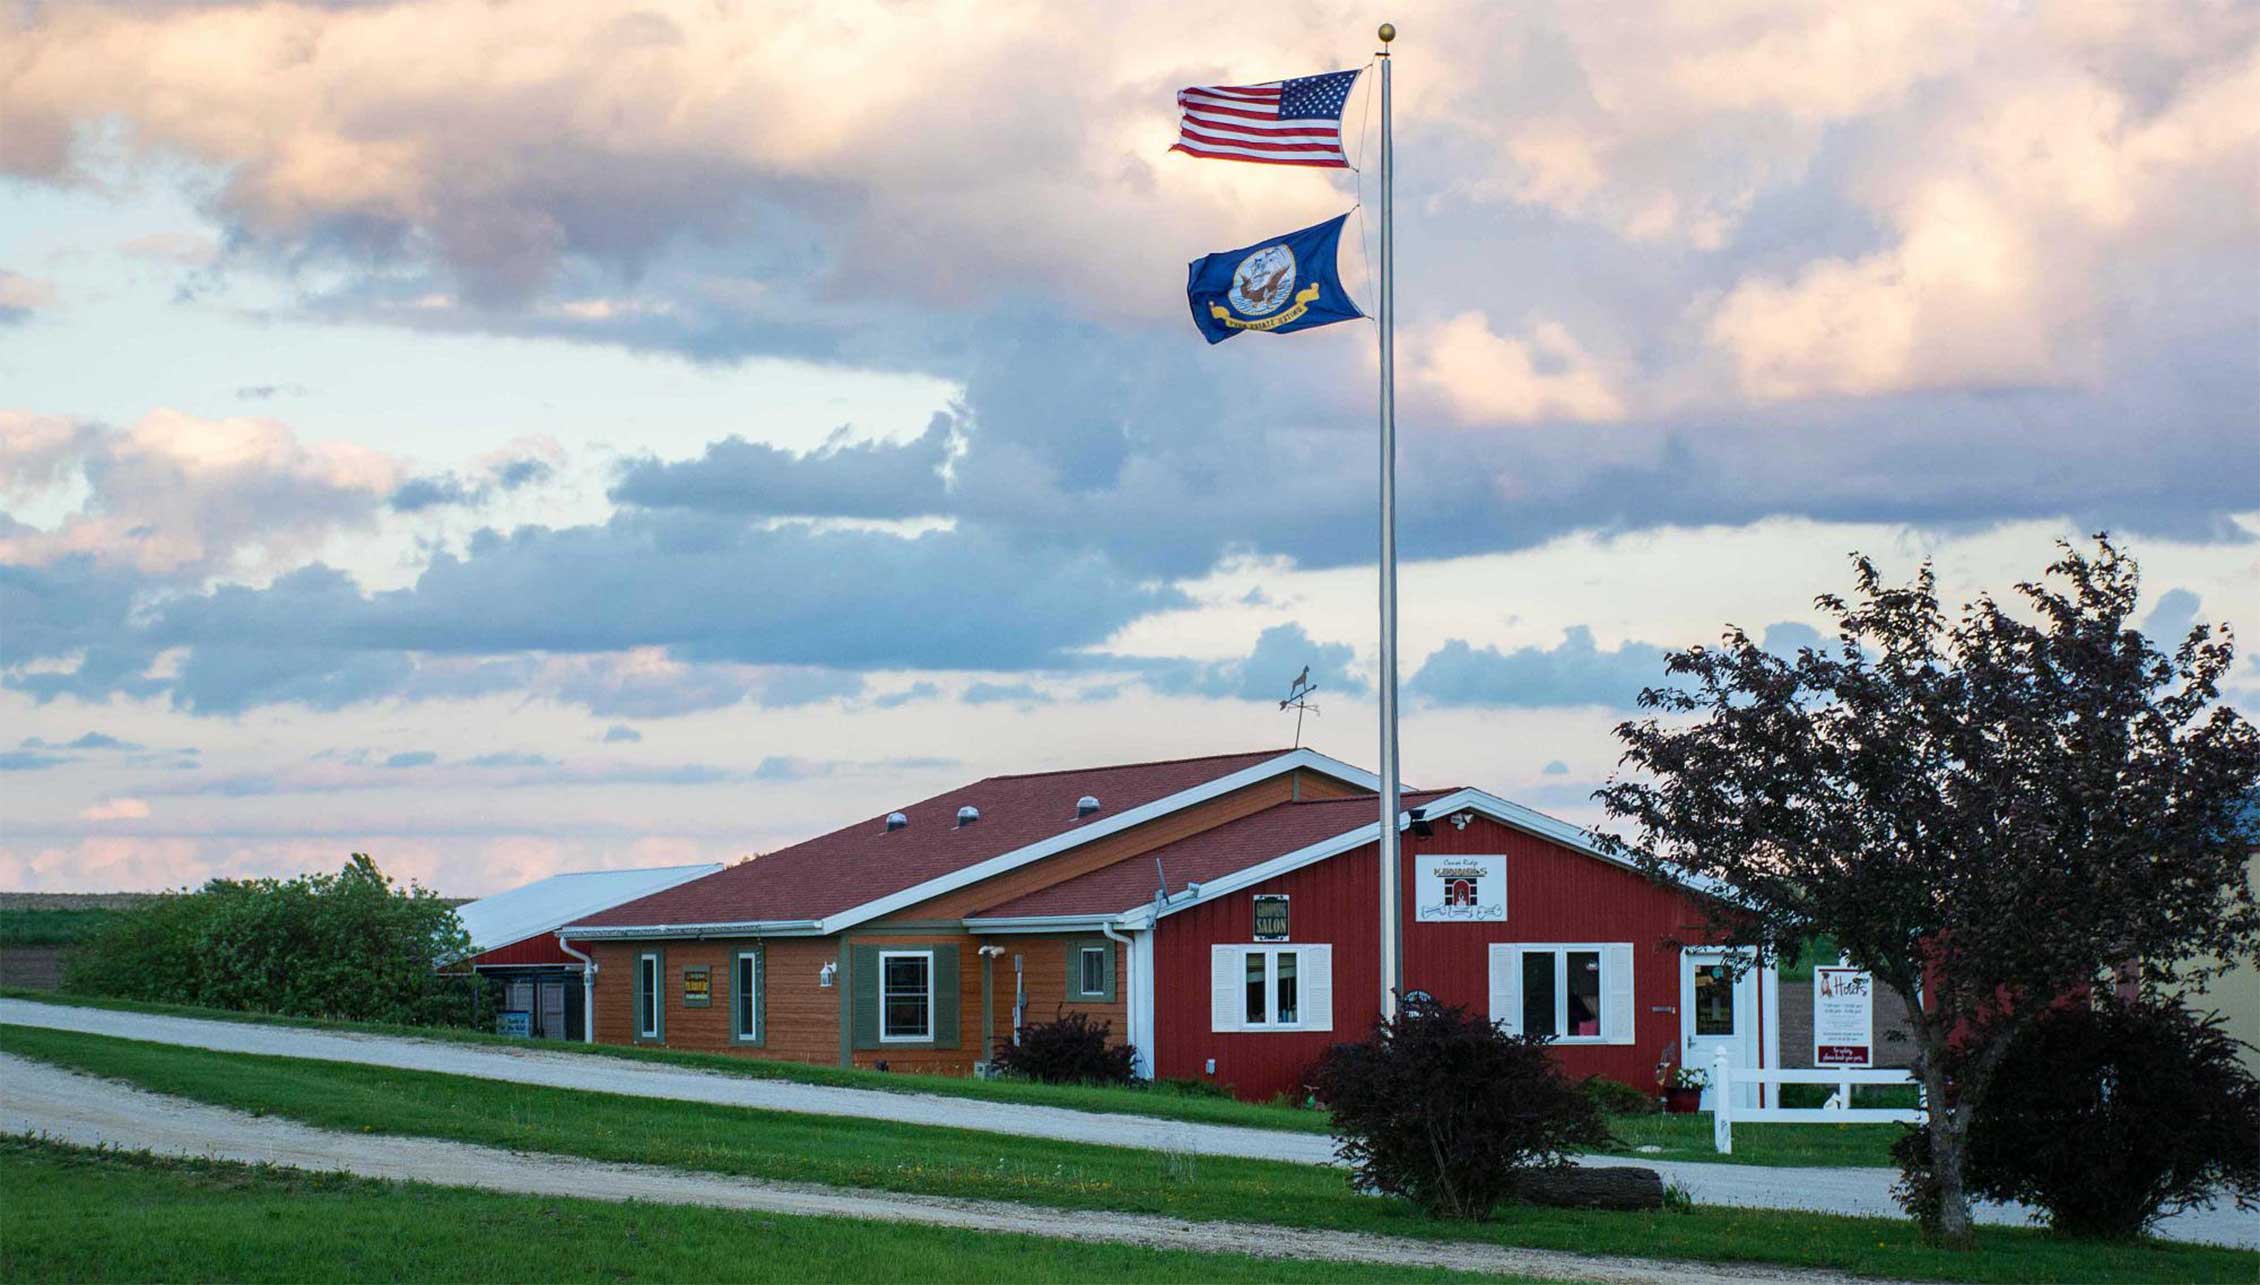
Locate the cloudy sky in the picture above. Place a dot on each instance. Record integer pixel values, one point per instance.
(516, 437)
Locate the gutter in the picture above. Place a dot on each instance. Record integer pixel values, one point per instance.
(588, 990)
(740, 928)
(1129, 975)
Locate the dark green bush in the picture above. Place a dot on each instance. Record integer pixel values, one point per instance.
(1442, 1108)
(1615, 1097)
(349, 946)
(1071, 1050)
(2111, 1115)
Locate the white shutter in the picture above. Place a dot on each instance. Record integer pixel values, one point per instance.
(1616, 993)
(1227, 974)
(1506, 988)
(1316, 968)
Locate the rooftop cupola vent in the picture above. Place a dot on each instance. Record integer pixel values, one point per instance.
(968, 814)
(896, 821)
(1086, 805)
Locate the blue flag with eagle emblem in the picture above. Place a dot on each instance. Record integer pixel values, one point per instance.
(1284, 284)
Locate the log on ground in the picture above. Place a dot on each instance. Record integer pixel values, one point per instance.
(1599, 1187)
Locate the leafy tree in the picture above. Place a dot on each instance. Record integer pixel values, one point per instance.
(1990, 813)
(2112, 1114)
(349, 945)
(1440, 1106)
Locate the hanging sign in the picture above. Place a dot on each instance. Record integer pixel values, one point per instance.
(1843, 1017)
(1459, 890)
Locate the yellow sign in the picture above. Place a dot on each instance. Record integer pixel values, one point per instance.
(1304, 298)
(698, 986)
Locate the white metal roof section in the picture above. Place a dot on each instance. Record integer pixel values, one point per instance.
(551, 903)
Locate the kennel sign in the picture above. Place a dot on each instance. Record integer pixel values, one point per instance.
(1456, 889)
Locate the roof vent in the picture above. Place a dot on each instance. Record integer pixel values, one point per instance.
(1086, 805)
(896, 821)
(968, 814)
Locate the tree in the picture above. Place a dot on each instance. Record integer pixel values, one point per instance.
(1989, 814)
(349, 945)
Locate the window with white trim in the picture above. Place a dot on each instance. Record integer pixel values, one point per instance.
(649, 992)
(745, 997)
(1272, 988)
(1574, 992)
(1091, 970)
(906, 996)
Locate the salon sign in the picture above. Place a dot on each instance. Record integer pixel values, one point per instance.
(1460, 890)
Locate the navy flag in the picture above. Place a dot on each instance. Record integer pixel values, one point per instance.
(1286, 283)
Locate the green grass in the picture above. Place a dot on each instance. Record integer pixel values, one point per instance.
(1161, 1102)
(1681, 1137)
(78, 1215)
(887, 1156)
(51, 927)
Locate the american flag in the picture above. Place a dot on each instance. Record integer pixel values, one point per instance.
(1279, 122)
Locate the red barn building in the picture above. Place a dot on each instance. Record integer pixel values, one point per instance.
(1224, 921)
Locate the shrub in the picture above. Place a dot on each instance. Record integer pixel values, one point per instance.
(349, 946)
(1439, 1106)
(1070, 1050)
(1615, 1097)
(2113, 1114)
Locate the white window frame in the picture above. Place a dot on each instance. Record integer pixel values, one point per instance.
(745, 986)
(1307, 1018)
(649, 1027)
(1561, 951)
(923, 1037)
(1083, 957)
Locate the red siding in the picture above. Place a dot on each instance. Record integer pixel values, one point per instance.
(541, 948)
(1553, 894)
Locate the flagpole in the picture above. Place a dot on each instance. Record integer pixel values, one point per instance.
(1392, 947)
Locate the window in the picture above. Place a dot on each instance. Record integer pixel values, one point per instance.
(1271, 918)
(1579, 993)
(745, 998)
(906, 996)
(1261, 988)
(1091, 970)
(650, 993)
(1714, 1000)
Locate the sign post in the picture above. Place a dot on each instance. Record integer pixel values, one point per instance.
(1843, 1022)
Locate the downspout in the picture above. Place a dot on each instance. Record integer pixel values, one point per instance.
(588, 989)
(1128, 974)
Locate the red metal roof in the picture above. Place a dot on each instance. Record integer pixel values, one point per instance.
(864, 862)
(1211, 854)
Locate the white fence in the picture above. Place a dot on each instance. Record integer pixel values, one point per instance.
(1726, 1113)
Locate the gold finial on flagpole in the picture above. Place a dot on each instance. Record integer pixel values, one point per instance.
(1388, 33)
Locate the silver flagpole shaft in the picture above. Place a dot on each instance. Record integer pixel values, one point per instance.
(1392, 948)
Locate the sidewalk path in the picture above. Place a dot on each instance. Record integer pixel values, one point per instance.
(1821, 1190)
(44, 1100)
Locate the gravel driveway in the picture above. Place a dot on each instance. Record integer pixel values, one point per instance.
(39, 1099)
(1821, 1190)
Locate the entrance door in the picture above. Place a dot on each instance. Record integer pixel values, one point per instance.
(1716, 1013)
(552, 1010)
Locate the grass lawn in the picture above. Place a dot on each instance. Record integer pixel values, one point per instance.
(51, 927)
(887, 1156)
(1680, 1137)
(79, 1215)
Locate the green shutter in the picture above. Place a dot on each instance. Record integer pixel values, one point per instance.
(948, 987)
(1075, 948)
(863, 976)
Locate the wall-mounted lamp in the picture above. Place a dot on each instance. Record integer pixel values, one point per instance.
(1460, 820)
(992, 952)
(825, 975)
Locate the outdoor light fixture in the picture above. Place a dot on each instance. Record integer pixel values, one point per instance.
(825, 975)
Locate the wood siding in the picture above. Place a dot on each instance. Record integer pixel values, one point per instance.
(802, 1020)
(1123, 846)
(1553, 895)
(1044, 965)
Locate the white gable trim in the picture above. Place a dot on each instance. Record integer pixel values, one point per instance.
(1075, 838)
(1481, 802)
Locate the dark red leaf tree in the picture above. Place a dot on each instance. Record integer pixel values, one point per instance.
(1989, 812)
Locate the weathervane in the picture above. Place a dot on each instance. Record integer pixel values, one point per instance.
(1298, 700)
